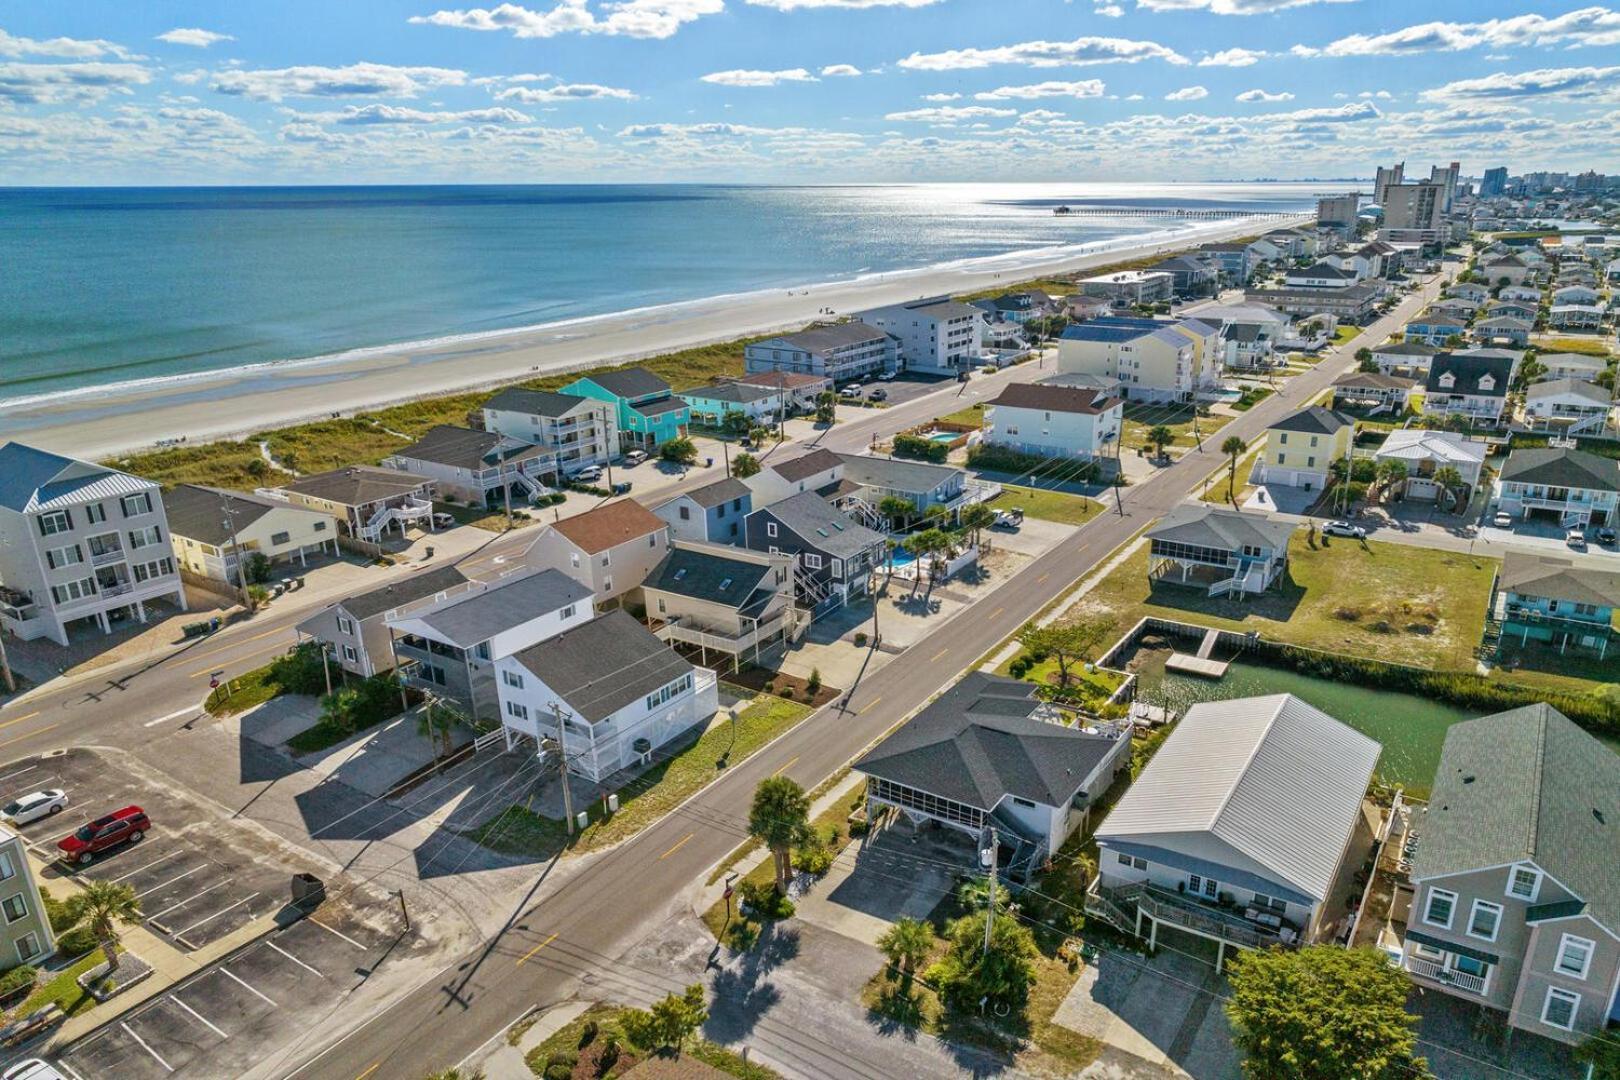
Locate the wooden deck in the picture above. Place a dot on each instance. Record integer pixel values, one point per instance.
(1196, 665)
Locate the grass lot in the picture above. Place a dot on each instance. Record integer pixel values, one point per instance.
(575, 1043)
(1059, 506)
(1345, 333)
(1051, 286)
(517, 830)
(1252, 396)
(1217, 488)
(236, 465)
(1587, 346)
(1390, 602)
(1140, 419)
(973, 414)
(64, 989)
(332, 444)
(480, 517)
(1096, 686)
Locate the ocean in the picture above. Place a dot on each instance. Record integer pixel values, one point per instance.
(107, 286)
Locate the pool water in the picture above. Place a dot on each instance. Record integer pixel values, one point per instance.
(945, 436)
(901, 557)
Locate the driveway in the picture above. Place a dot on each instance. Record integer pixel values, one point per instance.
(880, 879)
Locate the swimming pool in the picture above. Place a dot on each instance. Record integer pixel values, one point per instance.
(944, 436)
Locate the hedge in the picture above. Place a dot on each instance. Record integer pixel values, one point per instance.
(1001, 459)
(915, 446)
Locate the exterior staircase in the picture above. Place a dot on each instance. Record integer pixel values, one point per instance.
(410, 510)
(864, 512)
(813, 592)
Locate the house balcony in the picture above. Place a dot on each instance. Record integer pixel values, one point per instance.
(1436, 972)
(17, 605)
(1194, 916)
(685, 630)
(108, 557)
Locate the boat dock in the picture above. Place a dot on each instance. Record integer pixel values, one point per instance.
(1201, 664)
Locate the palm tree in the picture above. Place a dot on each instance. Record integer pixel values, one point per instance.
(780, 819)
(907, 944)
(1232, 447)
(1389, 474)
(896, 509)
(976, 518)
(1160, 436)
(101, 906)
(438, 720)
(1450, 481)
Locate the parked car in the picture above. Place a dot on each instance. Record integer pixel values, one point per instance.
(1502, 520)
(443, 521)
(32, 1069)
(125, 826)
(889, 376)
(853, 390)
(1008, 519)
(1576, 538)
(879, 394)
(1607, 536)
(1344, 528)
(635, 457)
(589, 474)
(36, 805)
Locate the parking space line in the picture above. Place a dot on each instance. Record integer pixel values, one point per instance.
(200, 1017)
(167, 1067)
(172, 880)
(183, 903)
(337, 933)
(229, 974)
(64, 1065)
(182, 933)
(148, 865)
(293, 958)
(19, 772)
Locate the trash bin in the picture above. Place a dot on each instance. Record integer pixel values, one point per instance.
(308, 891)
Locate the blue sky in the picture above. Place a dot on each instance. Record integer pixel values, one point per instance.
(95, 92)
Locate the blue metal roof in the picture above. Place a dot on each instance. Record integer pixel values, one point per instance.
(1095, 331)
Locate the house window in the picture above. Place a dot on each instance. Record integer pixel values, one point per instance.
(95, 513)
(838, 568)
(686, 513)
(345, 626)
(57, 521)
(320, 526)
(14, 907)
(652, 542)
(512, 679)
(481, 650)
(1560, 1007)
(70, 591)
(1574, 956)
(1484, 919)
(1427, 952)
(770, 529)
(517, 710)
(1202, 885)
(27, 947)
(811, 562)
(280, 537)
(568, 612)
(137, 504)
(1022, 802)
(1124, 859)
(350, 654)
(1524, 882)
(64, 556)
(7, 867)
(139, 538)
(607, 558)
(1440, 908)
(1269, 903)
(573, 559)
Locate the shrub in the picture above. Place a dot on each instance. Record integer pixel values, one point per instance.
(860, 639)
(814, 859)
(814, 683)
(257, 568)
(565, 1058)
(763, 900)
(1019, 666)
(21, 977)
(55, 911)
(915, 446)
(76, 941)
(588, 1034)
(300, 671)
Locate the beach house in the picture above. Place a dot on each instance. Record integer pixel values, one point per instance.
(1235, 259)
(1374, 390)
(1151, 359)
(1190, 275)
(606, 693)
(872, 478)
(213, 529)
(1408, 358)
(1051, 420)
(936, 335)
(1571, 366)
(713, 513)
(1352, 303)
(80, 541)
(762, 405)
(1471, 386)
(646, 413)
(1425, 452)
(368, 503)
(1502, 330)
(579, 431)
(1435, 328)
(1221, 550)
(1246, 829)
(836, 352)
(1579, 317)
(1571, 406)
(1553, 601)
(480, 468)
(1250, 333)
(816, 470)
(1301, 446)
(799, 389)
(989, 754)
(353, 631)
(728, 603)
(1516, 904)
(610, 548)
(1560, 485)
(834, 555)
(1126, 288)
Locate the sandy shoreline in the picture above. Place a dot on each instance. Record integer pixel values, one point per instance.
(232, 404)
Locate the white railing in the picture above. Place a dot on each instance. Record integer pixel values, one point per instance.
(725, 640)
(412, 509)
(1474, 984)
(105, 558)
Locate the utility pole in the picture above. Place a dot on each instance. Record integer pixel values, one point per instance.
(5, 665)
(326, 667)
(990, 908)
(230, 525)
(506, 490)
(403, 911)
(725, 449)
(562, 763)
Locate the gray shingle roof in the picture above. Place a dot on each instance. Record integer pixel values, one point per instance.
(198, 513)
(1314, 420)
(805, 466)
(631, 382)
(1053, 398)
(466, 448)
(357, 485)
(1575, 387)
(1558, 579)
(1527, 785)
(1467, 371)
(823, 525)
(658, 408)
(1562, 467)
(721, 491)
(733, 393)
(599, 667)
(710, 575)
(978, 743)
(1407, 348)
(535, 402)
(407, 590)
(1373, 380)
(1217, 527)
(820, 339)
(914, 476)
(474, 617)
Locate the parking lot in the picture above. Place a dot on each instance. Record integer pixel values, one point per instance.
(233, 1016)
(197, 878)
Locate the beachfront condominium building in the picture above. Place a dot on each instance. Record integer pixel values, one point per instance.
(646, 413)
(936, 335)
(1493, 183)
(79, 541)
(1052, 420)
(213, 529)
(1446, 177)
(25, 932)
(842, 352)
(1386, 178)
(1352, 303)
(1129, 287)
(1152, 359)
(1338, 211)
(579, 431)
(1516, 876)
(1414, 213)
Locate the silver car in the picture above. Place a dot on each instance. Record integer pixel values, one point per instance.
(36, 805)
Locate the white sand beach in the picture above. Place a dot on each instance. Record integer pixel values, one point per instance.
(122, 418)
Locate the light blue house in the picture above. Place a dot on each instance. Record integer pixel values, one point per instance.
(649, 415)
(1435, 328)
(712, 513)
(1537, 598)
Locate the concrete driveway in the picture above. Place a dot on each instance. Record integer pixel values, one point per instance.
(881, 879)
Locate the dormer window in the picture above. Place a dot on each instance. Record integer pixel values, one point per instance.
(1447, 381)
(1524, 883)
(1487, 382)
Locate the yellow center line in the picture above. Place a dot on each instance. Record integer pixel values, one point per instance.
(782, 769)
(537, 948)
(234, 644)
(996, 612)
(862, 710)
(1042, 579)
(937, 655)
(211, 668)
(31, 734)
(374, 1067)
(20, 719)
(689, 836)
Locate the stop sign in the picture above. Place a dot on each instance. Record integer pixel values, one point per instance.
(213, 682)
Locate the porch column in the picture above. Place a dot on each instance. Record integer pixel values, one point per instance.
(1138, 920)
(140, 611)
(302, 561)
(101, 618)
(1153, 933)
(1220, 956)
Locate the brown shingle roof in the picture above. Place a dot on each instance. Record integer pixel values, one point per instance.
(1064, 399)
(609, 525)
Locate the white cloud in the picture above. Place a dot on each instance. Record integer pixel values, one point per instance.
(950, 114)
(1135, 97)
(1109, 11)
(797, 5)
(1581, 82)
(1232, 58)
(63, 48)
(629, 18)
(1187, 93)
(381, 115)
(1264, 95)
(564, 92)
(832, 71)
(1381, 95)
(1231, 7)
(748, 77)
(54, 84)
(355, 80)
(1085, 88)
(1590, 26)
(704, 130)
(198, 39)
(942, 97)
(1041, 54)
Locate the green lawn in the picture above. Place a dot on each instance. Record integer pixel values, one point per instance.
(64, 989)
(1390, 602)
(518, 830)
(973, 414)
(1345, 333)
(583, 1040)
(1140, 419)
(1588, 346)
(235, 465)
(1217, 488)
(1060, 506)
(1096, 686)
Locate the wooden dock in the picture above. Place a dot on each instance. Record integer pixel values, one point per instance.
(1203, 664)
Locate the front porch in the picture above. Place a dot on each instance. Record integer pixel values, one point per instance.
(745, 646)
(1128, 906)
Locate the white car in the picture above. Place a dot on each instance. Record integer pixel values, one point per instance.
(853, 390)
(1576, 538)
(1344, 528)
(36, 805)
(444, 521)
(635, 457)
(32, 1069)
(1502, 520)
(889, 376)
(588, 474)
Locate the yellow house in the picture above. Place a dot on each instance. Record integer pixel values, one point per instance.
(1299, 448)
(210, 528)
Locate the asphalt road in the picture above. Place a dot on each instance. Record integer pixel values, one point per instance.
(577, 933)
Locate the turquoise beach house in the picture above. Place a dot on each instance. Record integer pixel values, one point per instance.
(1552, 601)
(649, 414)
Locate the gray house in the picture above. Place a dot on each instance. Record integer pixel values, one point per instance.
(1246, 828)
(1224, 550)
(713, 513)
(834, 555)
(722, 600)
(1517, 874)
(353, 629)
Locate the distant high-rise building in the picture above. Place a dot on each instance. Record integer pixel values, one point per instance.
(1395, 174)
(1590, 181)
(1338, 211)
(1493, 183)
(1447, 179)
